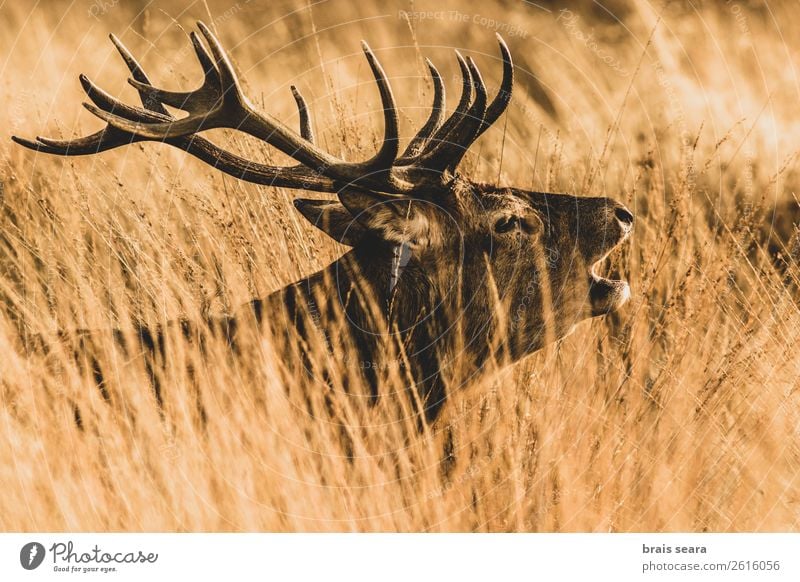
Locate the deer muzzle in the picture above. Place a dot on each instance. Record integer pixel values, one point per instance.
(607, 295)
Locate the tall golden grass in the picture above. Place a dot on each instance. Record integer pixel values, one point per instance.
(681, 412)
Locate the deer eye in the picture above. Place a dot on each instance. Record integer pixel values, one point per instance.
(526, 224)
(506, 224)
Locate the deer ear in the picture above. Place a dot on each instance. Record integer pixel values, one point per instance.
(332, 218)
(394, 219)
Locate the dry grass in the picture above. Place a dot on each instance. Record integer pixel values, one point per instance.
(680, 413)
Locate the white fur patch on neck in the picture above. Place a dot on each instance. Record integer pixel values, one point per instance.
(401, 254)
(406, 225)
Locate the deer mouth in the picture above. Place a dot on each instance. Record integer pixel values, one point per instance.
(606, 295)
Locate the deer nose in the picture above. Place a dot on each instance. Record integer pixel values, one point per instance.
(624, 216)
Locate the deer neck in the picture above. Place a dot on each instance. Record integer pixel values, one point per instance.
(378, 312)
(372, 295)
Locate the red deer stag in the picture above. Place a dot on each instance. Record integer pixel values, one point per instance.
(445, 273)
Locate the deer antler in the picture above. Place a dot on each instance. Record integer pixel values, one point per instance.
(430, 159)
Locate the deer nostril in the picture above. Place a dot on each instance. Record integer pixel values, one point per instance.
(624, 215)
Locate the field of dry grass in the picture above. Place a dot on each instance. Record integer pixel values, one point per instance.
(681, 412)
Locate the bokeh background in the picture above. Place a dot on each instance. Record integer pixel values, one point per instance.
(680, 413)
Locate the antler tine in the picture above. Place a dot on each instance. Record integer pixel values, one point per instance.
(501, 101)
(391, 144)
(227, 76)
(449, 152)
(435, 118)
(91, 144)
(106, 139)
(448, 146)
(109, 137)
(198, 101)
(461, 109)
(107, 103)
(306, 131)
(138, 73)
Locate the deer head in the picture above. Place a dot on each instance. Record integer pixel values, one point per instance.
(509, 269)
